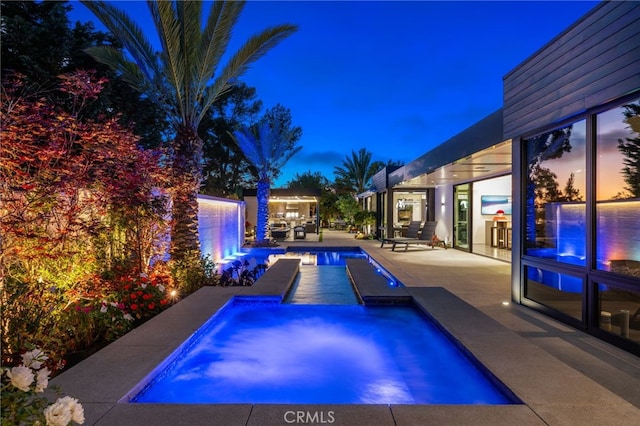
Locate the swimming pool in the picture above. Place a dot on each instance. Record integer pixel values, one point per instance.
(259, 350)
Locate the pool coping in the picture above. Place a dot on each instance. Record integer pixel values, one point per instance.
(101, 380)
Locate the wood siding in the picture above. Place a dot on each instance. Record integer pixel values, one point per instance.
(593, 62)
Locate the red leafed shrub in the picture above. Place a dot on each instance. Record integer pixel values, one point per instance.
(78, 197)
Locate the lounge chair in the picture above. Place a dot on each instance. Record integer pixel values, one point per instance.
(427, 237)
(412, 233)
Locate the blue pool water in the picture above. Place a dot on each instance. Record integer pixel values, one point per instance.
(328, 284)
(313, 255)
(260, 351)
(319, 347)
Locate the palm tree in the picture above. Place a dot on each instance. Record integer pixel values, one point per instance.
(356, 171)
(183, 80)
(268, 147)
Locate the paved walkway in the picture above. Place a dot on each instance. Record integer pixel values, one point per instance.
(563, 376)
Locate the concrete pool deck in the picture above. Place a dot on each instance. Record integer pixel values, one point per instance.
(562, 375)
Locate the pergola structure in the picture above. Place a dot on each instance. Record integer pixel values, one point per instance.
(295, 207)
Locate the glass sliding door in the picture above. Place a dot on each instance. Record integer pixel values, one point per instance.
(461, 216)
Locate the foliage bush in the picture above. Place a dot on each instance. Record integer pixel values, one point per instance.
(83, 227)
(78, 198)
(193, 272)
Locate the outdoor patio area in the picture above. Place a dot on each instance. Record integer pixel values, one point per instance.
(563, 376)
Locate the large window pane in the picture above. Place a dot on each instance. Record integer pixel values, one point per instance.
(620, 311)
(618, 190)
(555, 208)
(558, 291)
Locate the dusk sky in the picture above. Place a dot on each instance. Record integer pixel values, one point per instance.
(396, 78)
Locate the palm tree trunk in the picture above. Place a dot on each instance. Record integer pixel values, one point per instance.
(186, 178)
(263, 194)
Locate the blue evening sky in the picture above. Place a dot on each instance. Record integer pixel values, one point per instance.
(395, 77)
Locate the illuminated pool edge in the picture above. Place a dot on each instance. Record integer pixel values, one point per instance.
(191, 340)
(510, 398)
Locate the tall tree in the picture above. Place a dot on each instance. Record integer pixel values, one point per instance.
(356, 172)
(281, 116)
(268, 147)
(184, 80)
(310, 180)
(35, 38)
(39, 43)
(226, 169)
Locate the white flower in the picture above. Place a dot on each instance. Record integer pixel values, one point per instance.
(128, 317)
(34, 358)
(143, 285)
(21, 377)
(161, 288)
(57, 414)
(114, 304)
(77, 412)
(42, 379)
(103, 308)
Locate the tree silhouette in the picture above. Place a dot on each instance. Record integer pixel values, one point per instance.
(571, 193)
(226, 169)
(355, 172)
(542, 185)
(310, 180)
(630, 148)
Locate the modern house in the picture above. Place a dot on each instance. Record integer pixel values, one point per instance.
(551, 182)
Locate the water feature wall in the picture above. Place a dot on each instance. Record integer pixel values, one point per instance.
(618, 230)
(221, 226)
(618, 237)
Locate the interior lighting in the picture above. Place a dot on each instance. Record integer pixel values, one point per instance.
(505, 303)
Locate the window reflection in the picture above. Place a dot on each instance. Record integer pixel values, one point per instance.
(558, 291)
(619, 311)
(618, 190)
(555, 211)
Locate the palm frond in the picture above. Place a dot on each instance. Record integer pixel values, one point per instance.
(127, 70)
(256, 47)
(189, 17)
(129, 33)
(215, 39)
(266, 146)
(248, 144)
(168, 29)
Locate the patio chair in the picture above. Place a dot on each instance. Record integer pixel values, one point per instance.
(299, 233)
(412, 233)
(427, 237)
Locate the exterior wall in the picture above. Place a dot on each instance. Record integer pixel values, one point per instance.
(592, 62)
(591, 68)
(444, 212)
(495, 186)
